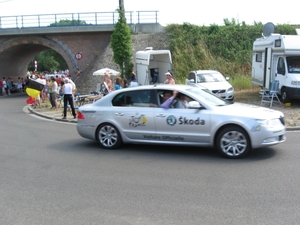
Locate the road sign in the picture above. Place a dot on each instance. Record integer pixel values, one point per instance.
(78, 55)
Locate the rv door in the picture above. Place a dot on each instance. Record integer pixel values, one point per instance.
(267, 67)
(281, 74)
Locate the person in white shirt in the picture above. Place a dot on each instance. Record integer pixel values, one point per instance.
(67, 89)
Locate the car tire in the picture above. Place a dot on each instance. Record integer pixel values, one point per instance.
(284, 96)
(108, 136)
(233, 142)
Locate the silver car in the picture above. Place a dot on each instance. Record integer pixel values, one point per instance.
(135, 115)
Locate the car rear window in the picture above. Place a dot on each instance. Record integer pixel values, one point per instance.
(138, 98)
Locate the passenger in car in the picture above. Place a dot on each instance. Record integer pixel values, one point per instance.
(181, 103)
(168, 98)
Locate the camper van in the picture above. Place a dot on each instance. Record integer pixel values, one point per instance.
(151, 65)
(277, 57)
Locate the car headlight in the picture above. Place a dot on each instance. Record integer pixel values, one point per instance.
(230, 89)
(270, 123)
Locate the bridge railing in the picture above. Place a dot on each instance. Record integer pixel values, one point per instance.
(76, 19)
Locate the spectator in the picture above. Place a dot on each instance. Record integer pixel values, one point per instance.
(133, 81)
(19, 85)
(4, 86)
(125, 83)
(170, 79)
(9, 86)
(68, 98)
(106, 86)
(1, 87)
(118, 84)
(53, 92)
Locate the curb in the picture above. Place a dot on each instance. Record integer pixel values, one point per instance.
(31, 110)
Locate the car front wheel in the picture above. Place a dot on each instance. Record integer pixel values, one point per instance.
(233, 142)
(284, 96)
(109, 136)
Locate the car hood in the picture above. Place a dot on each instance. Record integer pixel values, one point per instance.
(215, 85)
(251, 111)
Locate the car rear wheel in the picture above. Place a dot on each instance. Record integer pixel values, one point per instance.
(233, 142)
(109, 136)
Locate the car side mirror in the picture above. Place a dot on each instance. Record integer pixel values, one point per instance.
(194, 105)
(192, 81)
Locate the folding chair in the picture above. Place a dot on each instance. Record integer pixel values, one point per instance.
(270, 96)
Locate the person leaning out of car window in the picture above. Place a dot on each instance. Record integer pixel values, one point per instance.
(168, 98)
(170, 79)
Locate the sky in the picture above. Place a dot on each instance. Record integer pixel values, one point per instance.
(196, 12)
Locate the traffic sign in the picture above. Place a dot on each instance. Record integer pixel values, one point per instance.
(78, 55)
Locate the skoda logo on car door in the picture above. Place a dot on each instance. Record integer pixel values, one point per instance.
(171, 120)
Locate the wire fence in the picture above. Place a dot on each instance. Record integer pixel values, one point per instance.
(77, 19)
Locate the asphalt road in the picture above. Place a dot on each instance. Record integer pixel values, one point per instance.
(50, 175)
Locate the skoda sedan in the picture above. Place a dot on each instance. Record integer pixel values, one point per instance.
(148, 115)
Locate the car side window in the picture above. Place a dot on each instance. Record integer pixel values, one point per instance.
(140, 98)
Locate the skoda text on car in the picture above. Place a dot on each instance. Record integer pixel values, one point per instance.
(134, 115)
(213, 81)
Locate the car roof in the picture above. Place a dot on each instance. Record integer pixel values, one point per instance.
(177, 87)
(207, 71)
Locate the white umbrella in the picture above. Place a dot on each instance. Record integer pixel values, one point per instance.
(103, 71)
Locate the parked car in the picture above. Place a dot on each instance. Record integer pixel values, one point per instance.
(213, 81)
(134, 115)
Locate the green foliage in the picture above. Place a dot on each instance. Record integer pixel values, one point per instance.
(226, 48)
(121, 43)
(67, 22)
(48, 61)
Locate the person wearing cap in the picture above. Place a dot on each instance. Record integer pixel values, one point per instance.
(170, 79)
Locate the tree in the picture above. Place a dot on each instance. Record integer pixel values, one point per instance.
(66, 22)
(121, 43)
(48, 60)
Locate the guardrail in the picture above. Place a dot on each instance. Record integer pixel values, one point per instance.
(76, 19)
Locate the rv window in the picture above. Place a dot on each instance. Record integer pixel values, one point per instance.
(258, 57)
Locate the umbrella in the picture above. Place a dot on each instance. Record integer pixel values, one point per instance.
(103, 71)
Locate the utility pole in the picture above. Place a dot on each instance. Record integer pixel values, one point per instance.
(121, 5)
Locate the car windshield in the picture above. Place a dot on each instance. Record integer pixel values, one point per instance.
(210, 77)
(208, 97)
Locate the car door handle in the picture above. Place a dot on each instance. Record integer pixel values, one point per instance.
(160, 115)
(119, 114)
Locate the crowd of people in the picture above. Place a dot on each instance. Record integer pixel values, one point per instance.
(60, 85)
(7, 85)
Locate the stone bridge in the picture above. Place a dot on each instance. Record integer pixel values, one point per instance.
(80, 46)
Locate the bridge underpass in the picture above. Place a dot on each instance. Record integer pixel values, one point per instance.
(17, 52)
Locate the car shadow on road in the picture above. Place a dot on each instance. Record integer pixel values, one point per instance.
(183, 152)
